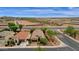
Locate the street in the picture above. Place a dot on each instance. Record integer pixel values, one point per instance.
(71, 43)
(34, 49)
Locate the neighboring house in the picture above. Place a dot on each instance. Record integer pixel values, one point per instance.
(27, 23)
(37, 33)
(3, 25)
(6, 35)
(22, 36)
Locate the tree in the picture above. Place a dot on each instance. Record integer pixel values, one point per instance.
(11, 24)
(20, 26)
(70, 31)
(13, 27)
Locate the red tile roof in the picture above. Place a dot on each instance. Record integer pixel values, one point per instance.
(23, 35)
(25, 22)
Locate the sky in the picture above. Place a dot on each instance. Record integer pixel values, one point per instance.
(40, 11)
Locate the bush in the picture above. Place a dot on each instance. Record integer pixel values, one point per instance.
(71, 31)
(43, 41)
(10, 42)
(6, 29)
(51, 33)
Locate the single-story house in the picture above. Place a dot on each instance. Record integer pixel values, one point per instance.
(6, 35)
(22, 36)
(37, 33)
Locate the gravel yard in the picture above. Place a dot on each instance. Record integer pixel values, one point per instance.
(5, 35)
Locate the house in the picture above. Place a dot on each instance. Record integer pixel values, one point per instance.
(37, 33)
(28, 23)
(22, 36)
(3, 25)
(6, 35)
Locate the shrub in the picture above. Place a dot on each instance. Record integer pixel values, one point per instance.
(71, 31)
(10, 42)
(43, 41)
(6, 29)
(51, 33)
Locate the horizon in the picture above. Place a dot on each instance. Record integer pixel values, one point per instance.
(40, 12)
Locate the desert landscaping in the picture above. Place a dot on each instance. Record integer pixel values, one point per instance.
(23, 33)
(12, 35)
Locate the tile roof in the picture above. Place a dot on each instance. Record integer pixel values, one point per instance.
(37, 33)
(25, 22)
(23, 35)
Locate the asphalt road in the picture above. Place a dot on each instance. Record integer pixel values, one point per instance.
(71, 43)
(51, 27)
(34, 49)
